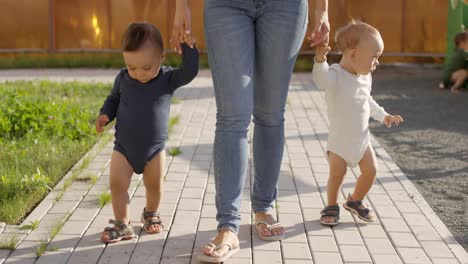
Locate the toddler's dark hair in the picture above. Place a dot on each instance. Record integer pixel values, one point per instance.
(137, 34)
(461, 37)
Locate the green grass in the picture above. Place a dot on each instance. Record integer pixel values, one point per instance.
(34, 224)
(304, 64)
(45, 128)
(79, 60)
(174, 151)
(88, 178)
(57, 227)
(85, 163)
(174, 100)
(41, 248)
(9, 242)
(110, 60)
(70, 180)
(104, 198)
(106, 137)
(55, 230)
(93, 179)
(172, 122)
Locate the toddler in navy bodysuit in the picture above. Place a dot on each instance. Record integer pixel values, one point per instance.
(140, 100)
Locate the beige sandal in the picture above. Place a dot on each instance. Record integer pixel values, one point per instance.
(210, 259)
(269, 227)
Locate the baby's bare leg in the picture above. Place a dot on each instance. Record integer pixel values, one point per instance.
(120, 175)
(337, 172)
(368, 166)
(153, 179)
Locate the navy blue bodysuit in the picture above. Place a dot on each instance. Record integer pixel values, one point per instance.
(142, 109)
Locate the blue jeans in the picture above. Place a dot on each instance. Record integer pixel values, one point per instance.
(252, 48)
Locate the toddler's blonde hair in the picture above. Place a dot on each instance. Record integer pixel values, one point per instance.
(349, 36)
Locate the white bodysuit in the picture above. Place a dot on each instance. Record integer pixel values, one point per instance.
(349, 107)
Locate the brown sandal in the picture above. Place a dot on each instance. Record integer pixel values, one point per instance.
(361, 210)
(149, 222)
(125, 232)
(331, 211)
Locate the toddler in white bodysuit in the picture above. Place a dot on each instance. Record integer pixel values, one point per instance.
(347, 88)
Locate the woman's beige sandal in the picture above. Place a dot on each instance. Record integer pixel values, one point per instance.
(125, 232)
(269, 227)
(151, 218)
(211, 259)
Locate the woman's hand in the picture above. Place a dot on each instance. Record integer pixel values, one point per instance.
(321, 31)
(182, 24)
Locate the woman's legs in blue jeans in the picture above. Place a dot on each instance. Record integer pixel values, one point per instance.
(280, 31)
(230, 36)
(279, 35)
(252, 47)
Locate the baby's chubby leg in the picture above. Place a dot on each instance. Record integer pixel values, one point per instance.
(338, 168)
(368, 167)
(153, 179)
(120, 175)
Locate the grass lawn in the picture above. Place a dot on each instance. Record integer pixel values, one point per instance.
(78, 60)
(45, 127)
(105, 60)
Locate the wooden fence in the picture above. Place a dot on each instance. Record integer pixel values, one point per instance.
(411, 28)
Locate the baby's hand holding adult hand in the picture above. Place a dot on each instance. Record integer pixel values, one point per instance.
(321, 52)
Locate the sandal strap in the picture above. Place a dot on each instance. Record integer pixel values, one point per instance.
(211, 245)
(152, 221)
(150, 214)
(268, 225)
(119, 223)
(354, 203)
(158, 221)
(333, 210)
(229, 245)
(359, 206)
(114, 233)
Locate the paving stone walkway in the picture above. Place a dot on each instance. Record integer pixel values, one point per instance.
(407, 230)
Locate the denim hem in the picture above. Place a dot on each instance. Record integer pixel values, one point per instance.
(228, 227)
